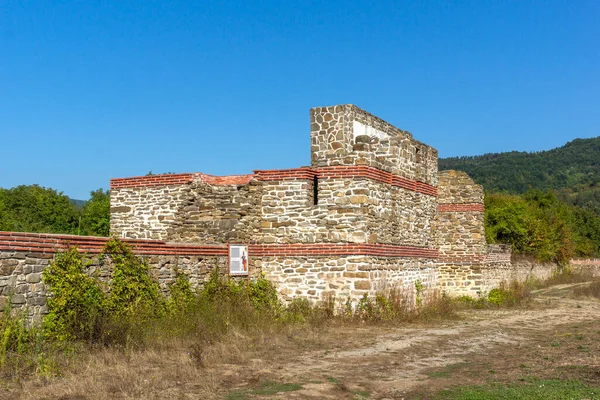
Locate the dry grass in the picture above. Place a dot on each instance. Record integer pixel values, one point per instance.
(213, 350)
(174, 370)
(563, 276)
(591, 289)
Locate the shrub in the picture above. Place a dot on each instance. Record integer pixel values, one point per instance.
(77, 303)
(132, 290)
(508, 295)
(181, 295)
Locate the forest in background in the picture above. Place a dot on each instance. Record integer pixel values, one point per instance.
(32, 208)
(571, 171)
(544, 203)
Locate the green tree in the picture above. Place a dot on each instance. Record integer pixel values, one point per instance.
(95, 218)
(540, 224)
(37, 209)
(4, 224)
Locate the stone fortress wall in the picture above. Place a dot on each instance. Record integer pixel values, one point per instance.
(370, 213)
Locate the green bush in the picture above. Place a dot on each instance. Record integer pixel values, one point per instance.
(132, 291)
(181, 295)
(77, 304)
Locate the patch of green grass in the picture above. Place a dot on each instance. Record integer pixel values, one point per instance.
(332, 379)
(362, 394)
(533, 390)
(266, 388)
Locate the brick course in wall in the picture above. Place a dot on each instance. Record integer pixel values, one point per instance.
(370, 212)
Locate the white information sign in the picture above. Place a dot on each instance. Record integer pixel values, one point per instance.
(238, 259)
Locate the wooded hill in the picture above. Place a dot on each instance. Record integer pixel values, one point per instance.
(572, 171)
(546, 203)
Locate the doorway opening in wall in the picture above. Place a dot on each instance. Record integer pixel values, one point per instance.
(315, 190)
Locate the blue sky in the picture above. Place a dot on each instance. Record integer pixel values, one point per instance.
(97, 89)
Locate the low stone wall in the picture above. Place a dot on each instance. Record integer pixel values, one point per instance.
(309, 270)
(347, 277)
(517, 271)
(24, 256)
(586, 266)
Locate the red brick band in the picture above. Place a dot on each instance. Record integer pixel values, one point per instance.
(588, 261)
(226, 180)
(346, 171)
(450, 207)
(52, 243)
(151, 180)
(285, 174)
(342, 171)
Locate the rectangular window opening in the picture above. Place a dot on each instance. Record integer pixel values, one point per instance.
(315, 190)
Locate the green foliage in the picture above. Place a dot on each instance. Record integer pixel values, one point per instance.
(37, 209)
(551, 227)
(77, 303)
(419, 292)
(264, 296)
(497, 296)
(132, 290)
(14, 336)
(573, 171)
(539, 224)
(509, 295)
(259, 294)
(95, 214)
(181, 295)
(22, 347)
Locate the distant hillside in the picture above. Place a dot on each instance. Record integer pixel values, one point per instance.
(78, 203)
(572, 170)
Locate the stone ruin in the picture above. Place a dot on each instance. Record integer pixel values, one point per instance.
(370, 213)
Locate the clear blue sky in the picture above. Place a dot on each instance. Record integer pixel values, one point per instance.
(91, 90)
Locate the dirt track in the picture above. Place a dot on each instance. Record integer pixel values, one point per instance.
(559, 337)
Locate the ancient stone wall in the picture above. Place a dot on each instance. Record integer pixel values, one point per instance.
(587, 266)
(24, 256)
(160, 206)
(348, 135)
(216, 214)
(460, 234)
(372, 193)
(346, 277)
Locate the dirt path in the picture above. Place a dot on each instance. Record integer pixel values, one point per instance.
(559, 337)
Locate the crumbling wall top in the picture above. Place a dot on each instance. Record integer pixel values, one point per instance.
(348, 135)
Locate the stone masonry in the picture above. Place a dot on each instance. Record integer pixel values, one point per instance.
(370, 213)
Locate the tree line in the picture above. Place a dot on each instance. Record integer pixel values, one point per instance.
(571, 171)
(32, 208)
(539, 224)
